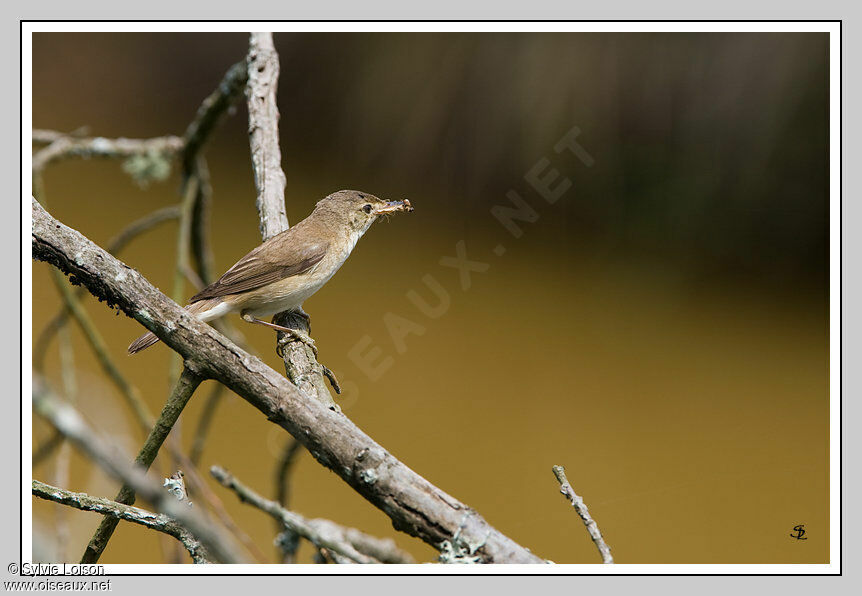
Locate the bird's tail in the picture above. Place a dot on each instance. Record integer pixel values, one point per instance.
(148, 339)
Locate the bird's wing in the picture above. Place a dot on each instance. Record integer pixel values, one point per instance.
(272, 261)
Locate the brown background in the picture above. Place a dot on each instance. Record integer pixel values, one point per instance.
(661, 330)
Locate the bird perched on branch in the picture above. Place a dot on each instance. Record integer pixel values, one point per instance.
(280, 274)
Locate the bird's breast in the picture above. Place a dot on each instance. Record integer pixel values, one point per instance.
(290, 292)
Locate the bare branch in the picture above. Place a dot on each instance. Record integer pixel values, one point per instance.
(184, 233)
(269, 178)
(204, 423)
(283, 471)
(188, 146)
(139, 226)
(300, 363)
(46, 137)
(210, 112)
(208, 115)
(578, 503)
(201, 488)
(44, 450)
(282, 475)
(154, 521)
(115, 246)
(66, 146)
(67, 421)
(322, 533)
(414, 504)
(63, 460)
(200, 240)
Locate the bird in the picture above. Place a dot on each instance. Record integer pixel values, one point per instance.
(284, 271)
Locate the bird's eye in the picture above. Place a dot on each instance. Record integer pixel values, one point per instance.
(366, 208)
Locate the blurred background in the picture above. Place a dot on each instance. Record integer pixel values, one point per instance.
(661, 330)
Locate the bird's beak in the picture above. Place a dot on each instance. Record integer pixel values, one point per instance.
(394, 207)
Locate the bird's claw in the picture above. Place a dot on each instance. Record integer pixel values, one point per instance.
(292, 336)
(332, 380)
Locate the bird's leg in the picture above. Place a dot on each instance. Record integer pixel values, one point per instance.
(293, 334)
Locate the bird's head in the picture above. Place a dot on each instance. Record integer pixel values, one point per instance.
(356, 211)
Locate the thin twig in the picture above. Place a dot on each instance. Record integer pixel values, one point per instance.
(205, 422)
(200, 487)
(65, 147)
(67, 420)
(321, 533)
(182, 258)
(64, 456)
(282, 474)
(211, 110)
(100, 350)
(578, 503)
(139, 226)
(46, 137)
(290, 543)
(154, 521)
(200, 243)
(44, 450)
(185, 387)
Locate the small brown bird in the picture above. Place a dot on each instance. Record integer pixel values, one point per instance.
(280, 274)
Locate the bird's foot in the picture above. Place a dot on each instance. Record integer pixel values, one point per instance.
(290, 336)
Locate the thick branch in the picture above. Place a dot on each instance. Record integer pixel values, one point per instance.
(322, 533)
(58, 321)
(415, 505)
(155, 521)
(578, 503)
